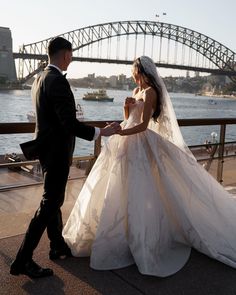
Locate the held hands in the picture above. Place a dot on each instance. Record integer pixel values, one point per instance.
(110, 129)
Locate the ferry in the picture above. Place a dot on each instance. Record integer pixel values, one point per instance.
(100, 95)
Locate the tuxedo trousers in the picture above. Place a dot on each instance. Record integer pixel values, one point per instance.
(48, 216)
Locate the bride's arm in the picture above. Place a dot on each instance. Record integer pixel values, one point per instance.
(126, 105)
(149, 103)
(126, 111)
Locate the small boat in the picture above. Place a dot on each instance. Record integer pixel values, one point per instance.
(31, 116)
(100, 95)
(79, 114)
(211, 101)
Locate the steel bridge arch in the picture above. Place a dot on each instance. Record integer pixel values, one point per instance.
(221, 56)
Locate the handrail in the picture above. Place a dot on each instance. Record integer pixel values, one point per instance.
(206, 121)
(29, 127)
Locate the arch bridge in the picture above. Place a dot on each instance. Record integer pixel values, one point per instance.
(169, 45)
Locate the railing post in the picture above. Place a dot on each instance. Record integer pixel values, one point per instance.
(221, 154)
(97, 147)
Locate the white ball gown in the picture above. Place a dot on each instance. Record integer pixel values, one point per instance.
(148, 202)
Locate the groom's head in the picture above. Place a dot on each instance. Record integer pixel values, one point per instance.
(60, 52)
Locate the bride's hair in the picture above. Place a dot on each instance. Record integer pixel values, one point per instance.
(151, 81)
(167, 125)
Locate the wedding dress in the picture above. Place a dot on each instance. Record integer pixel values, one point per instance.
(147, 201)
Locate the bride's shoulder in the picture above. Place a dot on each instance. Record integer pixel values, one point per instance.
(136, 90)
(150, 92)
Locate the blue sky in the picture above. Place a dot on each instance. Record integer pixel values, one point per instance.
(32, 21)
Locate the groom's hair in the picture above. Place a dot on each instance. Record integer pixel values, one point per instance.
(58, 43)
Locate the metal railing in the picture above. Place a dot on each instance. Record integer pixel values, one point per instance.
(222, 122)
(17, 128)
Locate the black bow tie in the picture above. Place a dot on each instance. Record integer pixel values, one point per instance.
(65, 75)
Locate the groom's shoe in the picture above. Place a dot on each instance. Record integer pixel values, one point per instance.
(60, 253)
(30, 269)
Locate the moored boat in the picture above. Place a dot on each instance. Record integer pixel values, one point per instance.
(31, 116)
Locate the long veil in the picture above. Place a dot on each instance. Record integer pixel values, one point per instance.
(166, 125)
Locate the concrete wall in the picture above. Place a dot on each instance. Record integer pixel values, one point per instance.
(7, 64)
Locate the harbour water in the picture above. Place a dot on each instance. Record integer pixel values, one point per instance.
(15, 104)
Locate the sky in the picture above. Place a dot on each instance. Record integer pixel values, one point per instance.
(31, 21)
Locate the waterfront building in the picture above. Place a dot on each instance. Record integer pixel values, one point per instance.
(113, 81)
(7, 64)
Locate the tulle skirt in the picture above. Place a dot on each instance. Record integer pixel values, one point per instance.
(147, 202)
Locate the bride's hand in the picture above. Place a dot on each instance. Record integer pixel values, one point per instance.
(129, 100)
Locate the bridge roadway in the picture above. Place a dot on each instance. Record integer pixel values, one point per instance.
(44, 57)
(73, 276)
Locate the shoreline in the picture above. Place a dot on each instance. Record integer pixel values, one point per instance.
(216, 95)
(17, 87)
(28, 87)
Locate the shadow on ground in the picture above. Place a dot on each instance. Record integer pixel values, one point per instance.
(73, 276)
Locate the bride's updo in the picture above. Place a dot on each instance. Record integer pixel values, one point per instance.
(147, 69)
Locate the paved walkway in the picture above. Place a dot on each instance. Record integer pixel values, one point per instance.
(73, 276)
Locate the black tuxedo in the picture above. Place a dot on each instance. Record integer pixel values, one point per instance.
(56, 128)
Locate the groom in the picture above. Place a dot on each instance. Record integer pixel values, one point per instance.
(56, 128)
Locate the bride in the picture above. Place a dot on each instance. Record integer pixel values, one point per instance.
(147, 200)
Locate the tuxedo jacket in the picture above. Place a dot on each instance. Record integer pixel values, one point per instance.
(56, 123)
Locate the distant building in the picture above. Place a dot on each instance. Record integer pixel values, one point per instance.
(113, 81)
(91, 76)
(122, 79)
(7, 64)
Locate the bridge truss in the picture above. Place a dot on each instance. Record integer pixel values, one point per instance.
(169, 45)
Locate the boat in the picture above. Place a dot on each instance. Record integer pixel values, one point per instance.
(99, 95)
(79, 112)
(211, 101)
(31, 116)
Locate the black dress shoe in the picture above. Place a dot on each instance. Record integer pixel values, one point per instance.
(30, 269)
(60, 253)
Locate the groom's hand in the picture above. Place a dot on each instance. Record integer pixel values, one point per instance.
(110, 129)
